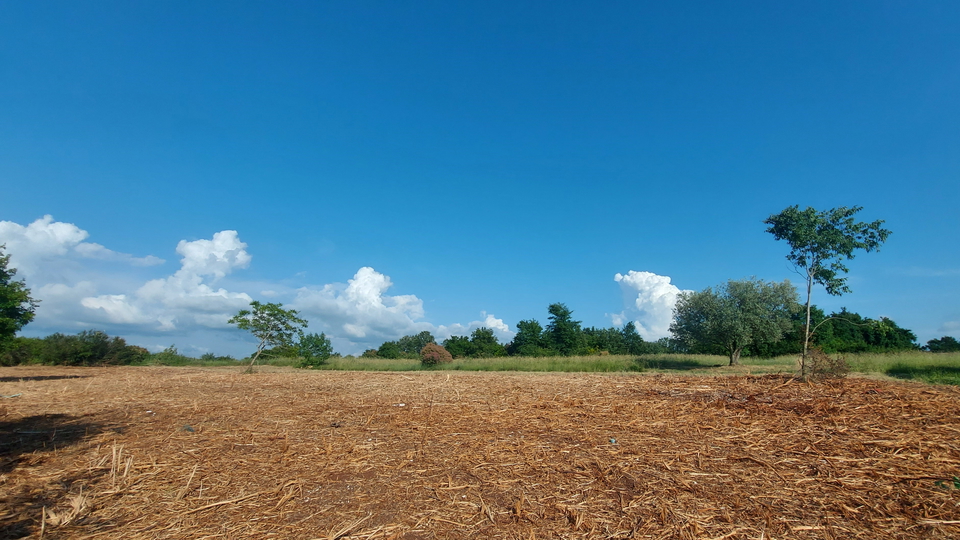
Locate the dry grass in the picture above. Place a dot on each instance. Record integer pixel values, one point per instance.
(155, 452)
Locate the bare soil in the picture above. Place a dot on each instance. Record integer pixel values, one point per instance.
(194, 453)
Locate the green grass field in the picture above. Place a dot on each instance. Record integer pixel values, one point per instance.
(942, 368)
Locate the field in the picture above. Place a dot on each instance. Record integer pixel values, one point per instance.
(188, 452)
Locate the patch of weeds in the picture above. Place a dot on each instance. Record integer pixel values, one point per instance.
(824, 366)
(947, 487)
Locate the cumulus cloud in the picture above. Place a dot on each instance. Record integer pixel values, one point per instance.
(950, 328)
(185, 297)
(362, 315)
(34, 246)
(84, 285)
(648, 301)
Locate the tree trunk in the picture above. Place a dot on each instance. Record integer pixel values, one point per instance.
(735, 356)
(805, 358)
(254, 359)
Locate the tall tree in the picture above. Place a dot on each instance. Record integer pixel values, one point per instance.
(820, 242)
(413, 344)
(270, 324)
(734, 316)
(564, 333)
(529, 339)
(16, 306)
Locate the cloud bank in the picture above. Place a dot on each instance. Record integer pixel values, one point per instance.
(648, 301)
(191, 307)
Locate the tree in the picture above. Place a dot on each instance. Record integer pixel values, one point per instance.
(563, 333)
(389, 350)
(734, 316)
(314, 350)
(412, 345)
(944, 344)
(270, 324)
(485, 344)
(16, 306)
(820, 242)
(529, 339)
(458, 346)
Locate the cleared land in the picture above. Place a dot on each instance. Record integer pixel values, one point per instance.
(156, 452)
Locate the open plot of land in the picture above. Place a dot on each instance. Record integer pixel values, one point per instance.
(154, 452)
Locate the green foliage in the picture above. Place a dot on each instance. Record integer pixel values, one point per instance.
(270, 324)
(88, 348)
(390, 350)
(733, 316)
(458, 346)
(411, 345)
(314, 350)
(16, 306)
(432, 354)
(563, 334)
(369, 353)
(482, 343)
(820, 243)
(170, 357)
(529, 340)
(943, 345)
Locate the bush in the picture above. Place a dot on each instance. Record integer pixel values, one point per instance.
(432, 354)
(824, 366)
(314, 350)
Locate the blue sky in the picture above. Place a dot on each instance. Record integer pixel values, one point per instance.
(388, 168)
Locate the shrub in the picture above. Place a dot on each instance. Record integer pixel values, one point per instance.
(432, 354)
(824, 366)
(314, 350)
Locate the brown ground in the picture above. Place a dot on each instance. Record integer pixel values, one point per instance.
(209, 453)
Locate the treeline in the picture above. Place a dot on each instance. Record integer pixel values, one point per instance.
(563, 336)
(88, 348)
(839, 332)
(845, 332)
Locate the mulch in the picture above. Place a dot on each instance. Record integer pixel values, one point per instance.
(191, 453)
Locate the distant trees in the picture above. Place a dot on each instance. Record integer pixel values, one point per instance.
(482, 343)
(87, 348)
(314, 350)
(733, 316)
(529, 340)
(563, 334)
(820, 242)
(944, 344)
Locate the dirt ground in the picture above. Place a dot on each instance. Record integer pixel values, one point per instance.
(195, 453)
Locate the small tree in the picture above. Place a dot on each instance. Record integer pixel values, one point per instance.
(734, 316)
(944, 344)
(563, 333)
(820, 242)
(432, 354)
(270, 324)
(16, 306)
(314, 350)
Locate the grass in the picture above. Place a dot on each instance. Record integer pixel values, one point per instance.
(933, 368)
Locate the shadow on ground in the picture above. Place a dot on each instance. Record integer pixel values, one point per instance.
(24, 442)
(42, 378)
(677, 364)
(930, 374)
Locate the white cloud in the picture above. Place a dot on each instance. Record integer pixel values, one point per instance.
(85, 285)
(184, 298)
(648, 301)
(500, 328)
(361, 310)
(33, 247)
(359, 314)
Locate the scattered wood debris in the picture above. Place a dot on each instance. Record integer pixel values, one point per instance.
(100, 453)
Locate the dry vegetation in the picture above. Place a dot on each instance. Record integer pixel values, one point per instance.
(208, 453)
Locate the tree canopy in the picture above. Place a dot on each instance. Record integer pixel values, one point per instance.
(733, 316)
(820, 243)
(270, 324)
(17, 307)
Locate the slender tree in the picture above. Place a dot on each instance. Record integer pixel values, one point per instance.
(270, 324)
(820, 242)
